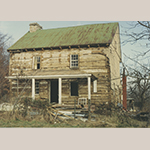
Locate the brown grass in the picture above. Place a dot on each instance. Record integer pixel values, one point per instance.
(102, 121)
(22, 118)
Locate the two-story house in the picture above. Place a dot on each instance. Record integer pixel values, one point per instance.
(63, 64)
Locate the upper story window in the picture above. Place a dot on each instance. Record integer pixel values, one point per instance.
(36, 62)
(73, 61)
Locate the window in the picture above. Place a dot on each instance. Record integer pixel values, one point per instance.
(36, 62)
(82, 101)
(74, 88)
(73, 61)
(36, 87)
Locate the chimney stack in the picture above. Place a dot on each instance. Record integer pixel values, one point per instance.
(34, 27)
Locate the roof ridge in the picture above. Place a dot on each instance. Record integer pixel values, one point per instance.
(80, 26)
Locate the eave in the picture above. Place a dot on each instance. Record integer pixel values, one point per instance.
(58, 47)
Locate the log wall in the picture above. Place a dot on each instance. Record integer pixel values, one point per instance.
(91, 60)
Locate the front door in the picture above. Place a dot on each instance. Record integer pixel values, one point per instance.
(54, 91)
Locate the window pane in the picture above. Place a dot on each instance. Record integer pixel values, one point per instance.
(38, 59)
(71, 57)
(37, 62)
(76, 57)
(36, 87)
(38, 66)
(74, 61)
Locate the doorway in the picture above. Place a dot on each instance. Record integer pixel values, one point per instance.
(54, 91)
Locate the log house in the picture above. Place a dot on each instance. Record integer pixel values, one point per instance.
(64, 64)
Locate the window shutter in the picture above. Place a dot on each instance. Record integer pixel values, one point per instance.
(33, 63)
(70, 61)
(95, 86)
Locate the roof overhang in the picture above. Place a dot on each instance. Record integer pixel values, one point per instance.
(58, 47)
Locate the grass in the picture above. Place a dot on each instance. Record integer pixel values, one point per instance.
(36, 124)
(22, 119)
(70, 124)
(102, 121)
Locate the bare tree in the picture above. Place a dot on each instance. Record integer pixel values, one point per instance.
(4, 65)
(139, 87)
(138, 32)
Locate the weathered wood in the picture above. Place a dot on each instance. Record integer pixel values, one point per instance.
(57, 116)
(61, 114)
(91, 60)
(89, 106)
(74, 108)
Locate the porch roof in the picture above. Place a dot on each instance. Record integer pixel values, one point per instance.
(52, 74)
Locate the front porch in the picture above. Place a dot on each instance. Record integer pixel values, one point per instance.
(59, 85)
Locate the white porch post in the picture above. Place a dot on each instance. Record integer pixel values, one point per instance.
(33, 88)
(89, 88)
(60, 86)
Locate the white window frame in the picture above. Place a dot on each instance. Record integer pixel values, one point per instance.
(82, 101)
(74, 62)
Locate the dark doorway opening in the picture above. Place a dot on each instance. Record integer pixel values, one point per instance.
(54, 91)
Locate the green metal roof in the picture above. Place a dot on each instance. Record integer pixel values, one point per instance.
(68, 36)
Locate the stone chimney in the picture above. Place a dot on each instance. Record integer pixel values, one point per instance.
(34, 27)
